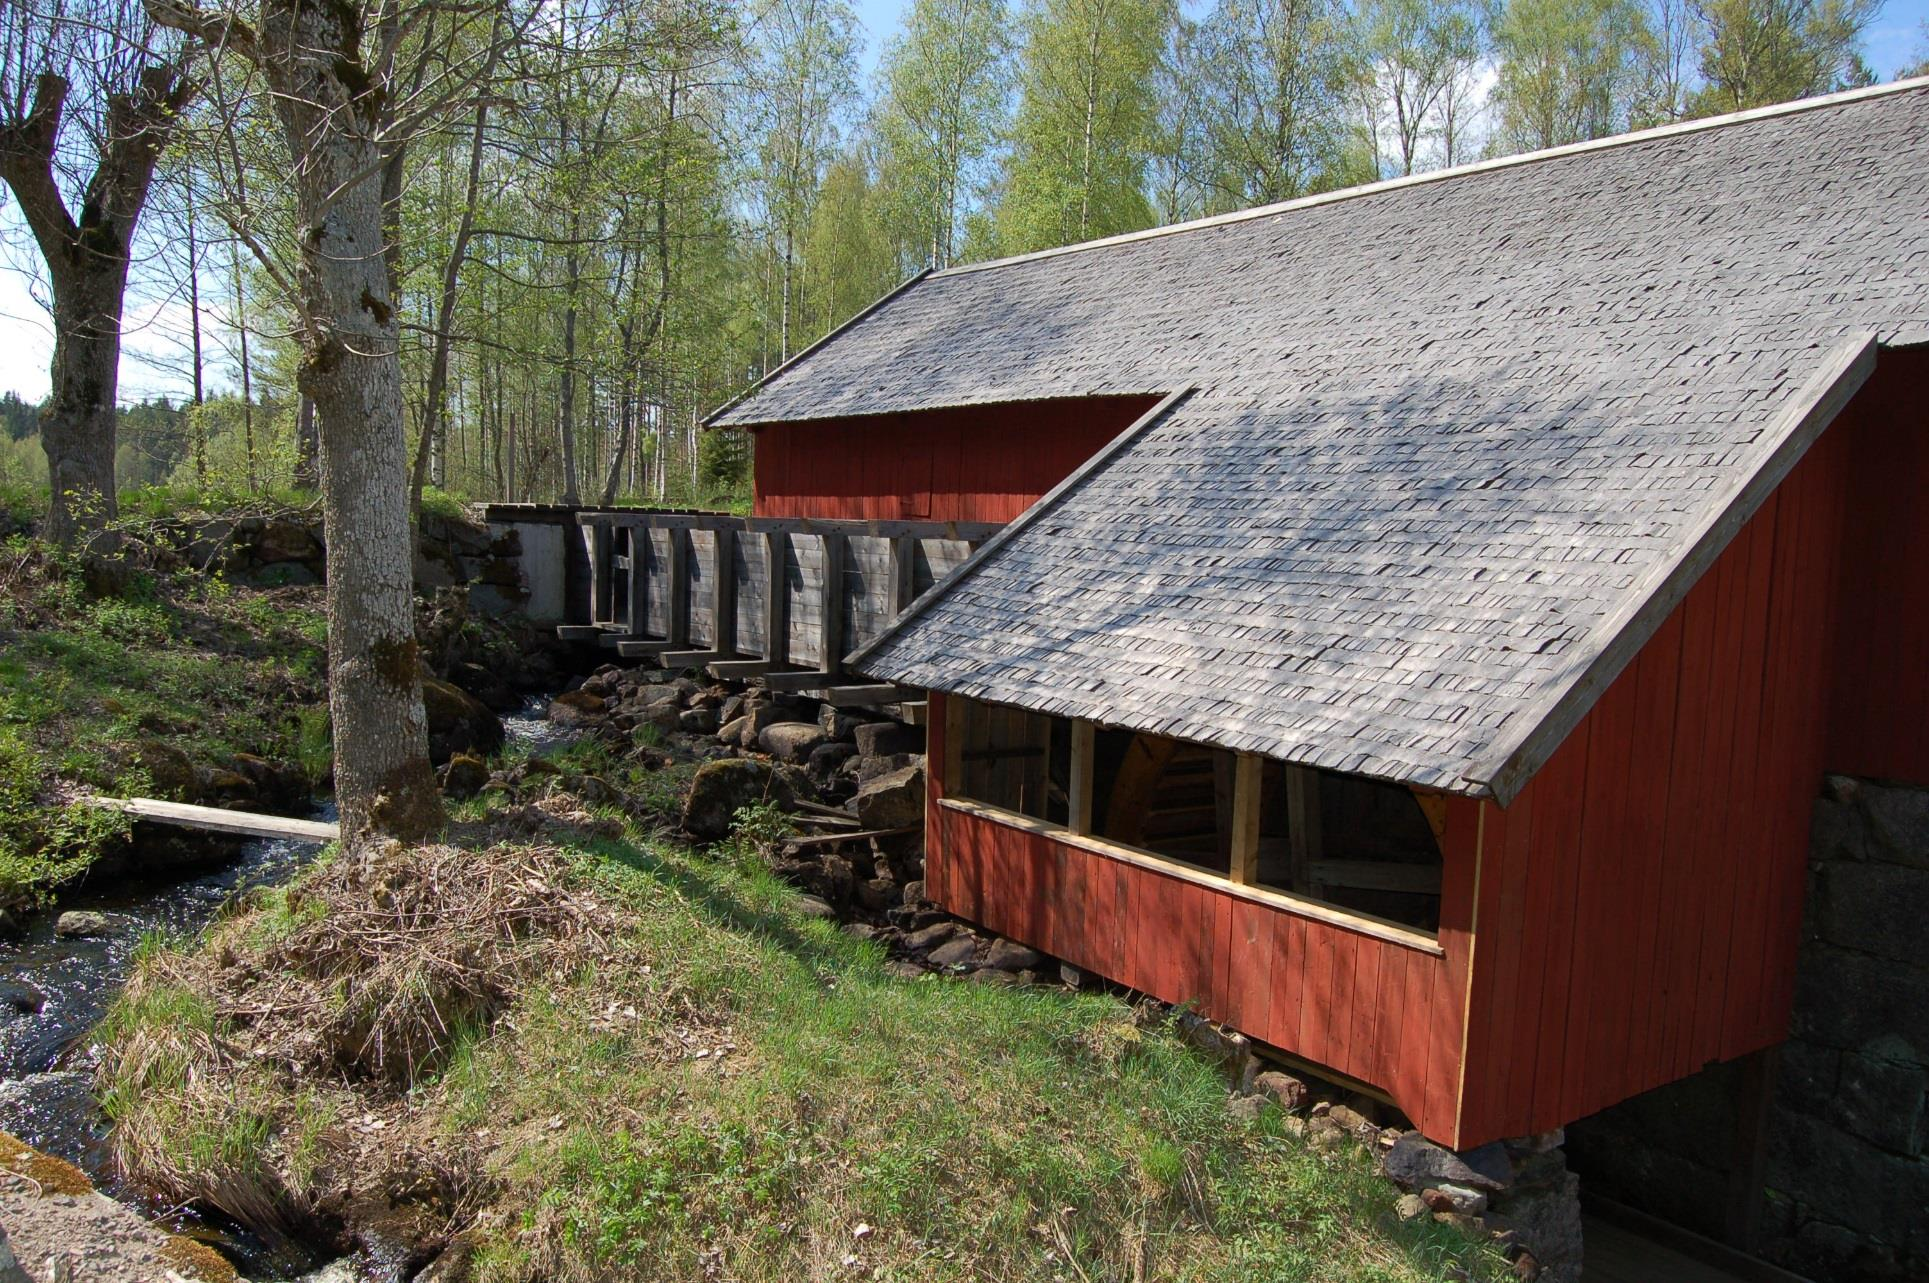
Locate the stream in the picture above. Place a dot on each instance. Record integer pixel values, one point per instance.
(54, 990)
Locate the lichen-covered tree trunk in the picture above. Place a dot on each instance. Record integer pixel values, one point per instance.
(78, 424)
(332, 113)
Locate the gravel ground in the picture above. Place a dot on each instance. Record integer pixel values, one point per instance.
(49, 1210)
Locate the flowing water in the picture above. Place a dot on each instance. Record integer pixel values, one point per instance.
(54, 990)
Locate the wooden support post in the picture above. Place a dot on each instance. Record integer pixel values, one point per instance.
(676, 618)
(689, 658)
(955, 712)
(639, 580)
(776, 596)
(1302, 820)
(601, 581)
(831, 613)
(1748, 1161)
(723, 595)
(1084, 742)
(1246, 776)
(904, 566)
(862, 696)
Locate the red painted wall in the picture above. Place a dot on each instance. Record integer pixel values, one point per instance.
(1879, 724)
(982, 463)
(1641, 899)
(1639, 903)
(1387, 1014)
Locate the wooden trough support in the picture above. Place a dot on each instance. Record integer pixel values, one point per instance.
(777, 598)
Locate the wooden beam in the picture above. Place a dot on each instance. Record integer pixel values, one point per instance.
(1302, 827)
(831, 604)
(728, 669)
(1079, 807)
(956, 710)
(914, 712)
(642, 647)
(639, 567)
(826, 839)
(776, 596)
(904, 569)
(801, 680)
(676, 619)
(580, 632)
(1246, 795)
(950, 531)
(601, 585)
(218, 820)
(690, 658)
(723, 593)
(862, 696)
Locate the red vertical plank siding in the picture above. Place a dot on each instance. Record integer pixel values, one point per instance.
(1881, 645)
(1657, 898)
(1634, 913)
(979, 463)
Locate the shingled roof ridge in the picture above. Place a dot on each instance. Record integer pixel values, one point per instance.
(1676, 129)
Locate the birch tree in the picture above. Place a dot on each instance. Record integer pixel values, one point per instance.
(940, 115)
(89, 97)
(1758, 52)
(1569, 70)
(1274, 76)
(1414, 54)
(1086, 123)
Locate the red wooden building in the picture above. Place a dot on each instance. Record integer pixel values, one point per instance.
(1427, 610)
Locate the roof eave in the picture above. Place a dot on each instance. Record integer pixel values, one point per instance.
(1545, 726)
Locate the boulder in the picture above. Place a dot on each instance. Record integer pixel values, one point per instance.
(1455, 1198)
(884, 739)
(1290, 1092)
(1009, 955)
(1416, 1163)
(732, 731)
(486, 685)
(930, 937)
(286, 541)
(697, 721)
(577, 708)
(955, 952)
(893, 801)
(280, 786)
(723, 787)
(1409, 1207)
(869, 768)
(837, 723)
(170, 769)
(790, 741)
(284, 574)
(458, 722)
(81, 924)
(826, 758)
(464, 776)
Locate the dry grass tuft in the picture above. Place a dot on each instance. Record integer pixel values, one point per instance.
(268, 1072)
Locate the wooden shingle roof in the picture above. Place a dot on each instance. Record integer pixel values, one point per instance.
(1451, 448)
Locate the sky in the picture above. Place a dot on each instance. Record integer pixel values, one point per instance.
(154, 358)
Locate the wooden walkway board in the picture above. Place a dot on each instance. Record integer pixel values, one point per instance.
(248, 823)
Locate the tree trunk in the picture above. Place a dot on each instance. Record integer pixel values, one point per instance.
(307, 446)
(333, 115)
(87, 262)
(77, 427)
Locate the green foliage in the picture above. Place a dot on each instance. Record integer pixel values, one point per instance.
(1569, 70)
(1086, 118)
(1757, 52)
(43, 843)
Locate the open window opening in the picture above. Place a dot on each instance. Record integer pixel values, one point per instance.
(1363, 846)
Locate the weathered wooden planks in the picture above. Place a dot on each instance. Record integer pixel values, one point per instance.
(215, 819)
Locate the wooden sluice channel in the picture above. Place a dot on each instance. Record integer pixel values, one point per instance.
(697, 590)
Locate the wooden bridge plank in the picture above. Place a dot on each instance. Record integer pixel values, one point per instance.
(214, 818)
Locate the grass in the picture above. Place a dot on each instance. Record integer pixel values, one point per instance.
(88, 675)
(733, 1089)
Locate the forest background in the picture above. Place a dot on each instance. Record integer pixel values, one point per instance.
(674, 196)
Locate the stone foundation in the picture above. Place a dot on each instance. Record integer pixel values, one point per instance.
(1847, 1181)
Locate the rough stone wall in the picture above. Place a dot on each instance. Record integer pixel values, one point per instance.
(272, 550)
(1847, 1192)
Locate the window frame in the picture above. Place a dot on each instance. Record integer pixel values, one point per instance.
(1240, 881)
